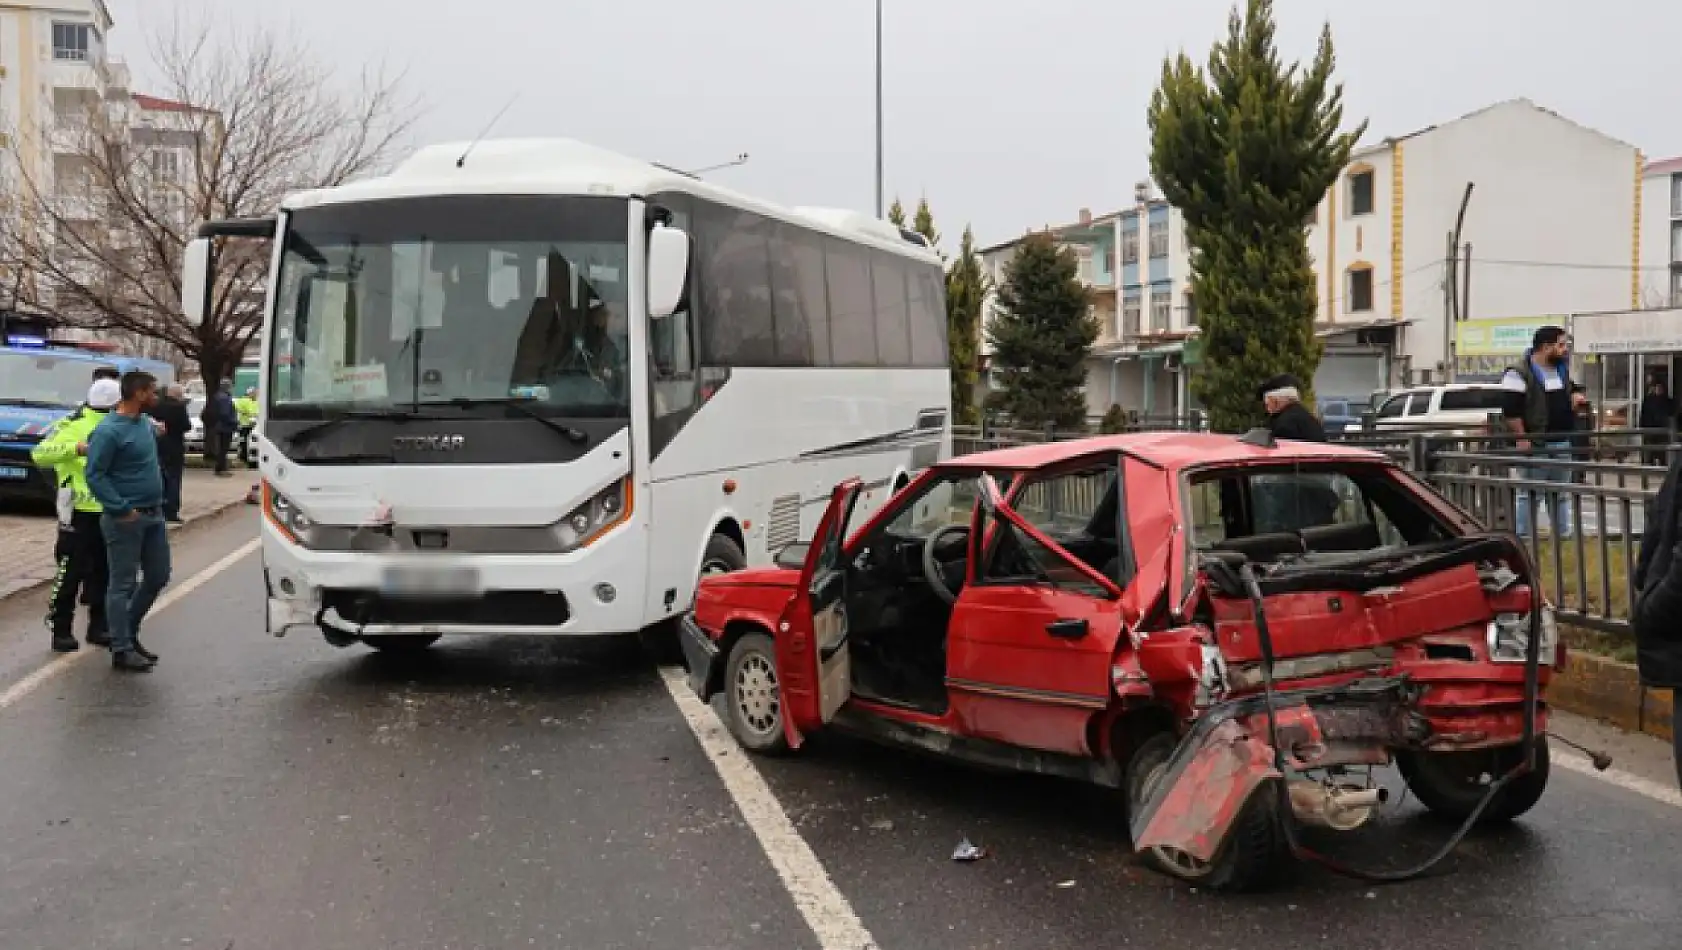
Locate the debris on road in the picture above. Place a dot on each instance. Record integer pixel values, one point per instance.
(967, 851)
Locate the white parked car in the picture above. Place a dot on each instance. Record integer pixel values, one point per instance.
(1456, 408)
(195, 426)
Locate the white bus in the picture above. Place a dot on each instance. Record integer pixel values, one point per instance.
(541, 389)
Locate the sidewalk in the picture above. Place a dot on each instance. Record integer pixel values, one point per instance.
(26, 539)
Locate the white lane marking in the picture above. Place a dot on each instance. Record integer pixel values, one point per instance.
(1624, 780)
(826, 910)
(172, 596)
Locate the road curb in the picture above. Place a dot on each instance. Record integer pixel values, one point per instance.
(1611, 691)
(9, 590)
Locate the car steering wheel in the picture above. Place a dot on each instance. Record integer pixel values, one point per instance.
(931, 564)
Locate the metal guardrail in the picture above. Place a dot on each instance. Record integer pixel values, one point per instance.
(1599, 483)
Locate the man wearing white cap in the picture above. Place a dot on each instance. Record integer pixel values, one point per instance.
(81, 544)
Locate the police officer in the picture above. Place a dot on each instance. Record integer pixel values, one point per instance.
(80, 550)
(246, 408)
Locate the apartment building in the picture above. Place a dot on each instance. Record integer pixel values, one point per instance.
(1554, 228)
(60, 89)
(1134, 263)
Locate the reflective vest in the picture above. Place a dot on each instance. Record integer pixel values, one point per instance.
(247, 410)
(70, 470)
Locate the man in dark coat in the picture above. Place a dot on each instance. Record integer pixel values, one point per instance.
(1287, 417)
(171, 410)
(1658, 599)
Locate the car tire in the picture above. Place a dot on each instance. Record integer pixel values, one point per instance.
(753, 697)
(402, 642)
(1450, 784)
(1249, 857)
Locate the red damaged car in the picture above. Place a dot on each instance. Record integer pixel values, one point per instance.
(1232, 632)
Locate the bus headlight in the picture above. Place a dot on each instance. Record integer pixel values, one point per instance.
(589, 521)
(1509, 637)
(284, 515)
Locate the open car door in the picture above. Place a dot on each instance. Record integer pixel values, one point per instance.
(812, 655)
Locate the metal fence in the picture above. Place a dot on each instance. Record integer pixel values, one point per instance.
(1578, 500)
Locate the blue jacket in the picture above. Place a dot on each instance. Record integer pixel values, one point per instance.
(123, 471)
(222, 416)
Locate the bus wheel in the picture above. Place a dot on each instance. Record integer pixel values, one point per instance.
(722, 556)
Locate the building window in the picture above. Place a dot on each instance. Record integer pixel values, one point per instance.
(1191, 310)
(1676, 242)
(72, 41)
(1361, 192)
(1358, 294)
(1676, 288)
(1159, 238)
(1083, 264)
(1676, 195)
(1130, 317)
(1162, 306)
(1129, 245)
(166, 164)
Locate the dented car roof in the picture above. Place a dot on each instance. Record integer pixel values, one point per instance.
(1169, 450)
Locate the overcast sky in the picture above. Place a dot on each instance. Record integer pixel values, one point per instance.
(1004, 114)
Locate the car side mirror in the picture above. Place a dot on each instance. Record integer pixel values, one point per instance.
(195, 281)
(668, 270)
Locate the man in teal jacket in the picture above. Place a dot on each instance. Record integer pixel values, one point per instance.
(123, 473)
(80, 551)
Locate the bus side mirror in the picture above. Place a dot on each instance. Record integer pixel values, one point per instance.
(195, 281)
(668, 270)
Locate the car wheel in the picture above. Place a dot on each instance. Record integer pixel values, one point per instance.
(753, 699)
(1451, 784)
(1246, 860)
(401, 642)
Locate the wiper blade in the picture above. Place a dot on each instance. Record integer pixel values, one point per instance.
(33, 403)
(574, 435)
(349, 458)
(312, 432)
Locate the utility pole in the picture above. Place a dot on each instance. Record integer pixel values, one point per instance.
(880, 212)
(1453, 311)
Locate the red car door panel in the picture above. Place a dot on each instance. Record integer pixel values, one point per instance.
(1028, 661)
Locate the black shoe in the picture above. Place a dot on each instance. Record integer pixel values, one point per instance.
(65, 643)
(130, 661)
(148, 654)
(99, 639)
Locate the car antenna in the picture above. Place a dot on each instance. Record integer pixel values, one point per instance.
(486, 130)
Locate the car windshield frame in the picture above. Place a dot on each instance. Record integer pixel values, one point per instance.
(458, 303)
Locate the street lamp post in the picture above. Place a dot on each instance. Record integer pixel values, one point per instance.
(879, 208)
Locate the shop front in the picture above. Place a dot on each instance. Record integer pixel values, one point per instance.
(1483, 349)
(1625, 353)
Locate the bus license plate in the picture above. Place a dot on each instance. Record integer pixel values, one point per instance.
(13, 472)
(430, 581)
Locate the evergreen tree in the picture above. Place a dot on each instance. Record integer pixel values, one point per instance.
(896, 214)
(1246, 150)
(1114, 421)
(1043, 335)
(923, 223)
(966, 288)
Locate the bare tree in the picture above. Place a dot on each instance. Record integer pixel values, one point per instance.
(244, 117)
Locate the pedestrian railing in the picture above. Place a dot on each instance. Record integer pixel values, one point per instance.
(1578, 501)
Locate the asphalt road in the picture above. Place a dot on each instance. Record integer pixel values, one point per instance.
(260, 793)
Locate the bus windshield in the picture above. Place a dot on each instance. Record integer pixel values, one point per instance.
(43, 379)
(463, 301)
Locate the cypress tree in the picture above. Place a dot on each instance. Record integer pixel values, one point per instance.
(1043, 335)
(1245, 149)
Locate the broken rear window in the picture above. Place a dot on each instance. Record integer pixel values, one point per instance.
(1269, 512)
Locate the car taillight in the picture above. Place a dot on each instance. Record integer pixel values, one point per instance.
(1508, 636)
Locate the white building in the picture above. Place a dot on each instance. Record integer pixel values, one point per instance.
(1661, 235)
(1553, 224)
(1138, 278)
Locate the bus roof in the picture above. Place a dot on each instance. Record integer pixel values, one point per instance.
(568, 167)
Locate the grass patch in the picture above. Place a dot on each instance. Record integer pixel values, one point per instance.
(1610, 645)
(1579, 579)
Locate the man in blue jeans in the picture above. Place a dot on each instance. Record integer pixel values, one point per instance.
(123, 474)
(1536, 407)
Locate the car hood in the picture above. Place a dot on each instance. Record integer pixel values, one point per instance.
(28, 423)
(753, 577)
